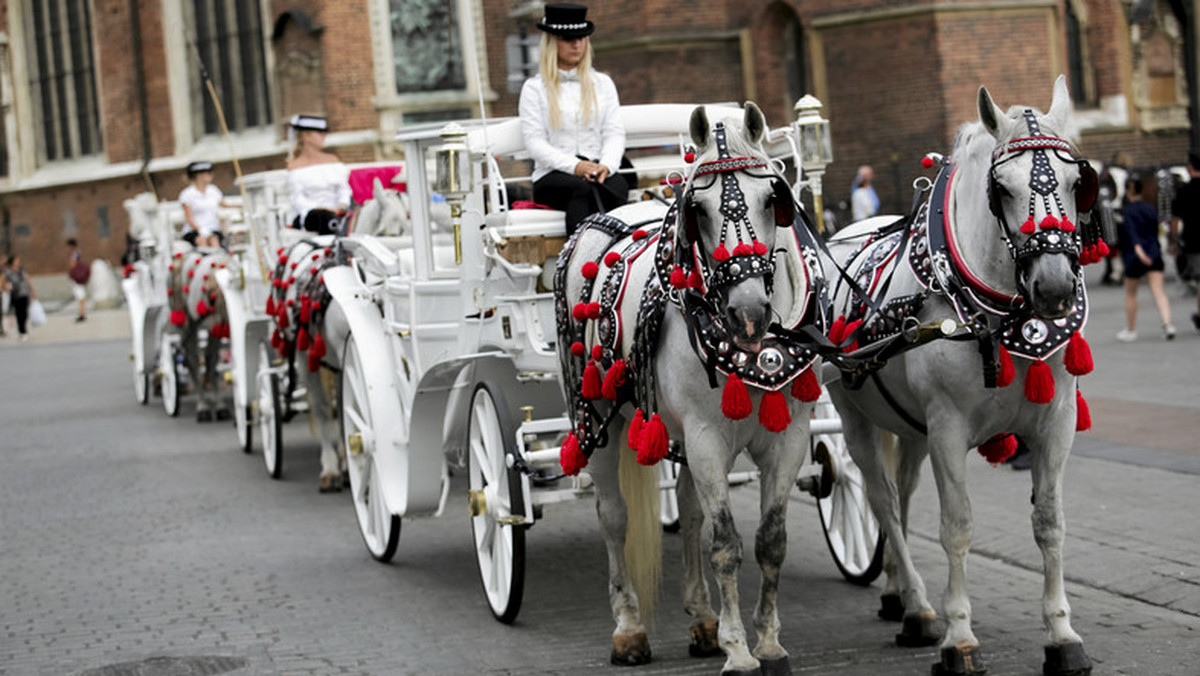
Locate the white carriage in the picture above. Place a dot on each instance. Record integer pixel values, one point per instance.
(450, 363)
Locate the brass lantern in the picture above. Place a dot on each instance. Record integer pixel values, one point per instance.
(453, 176)
(816, 150)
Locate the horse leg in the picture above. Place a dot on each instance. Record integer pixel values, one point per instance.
(191, 356)
(911, 453)
(1064, 653)
(696, 599)
(330, 480)
(710, 466)
(959, 647)
(919, 626)
(212, 365)
(630, 644)
(779, 462)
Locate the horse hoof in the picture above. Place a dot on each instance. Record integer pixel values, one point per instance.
(330, 484)
(918, 632)
(204, 416)
(1066, 660)
(780, 666)
(223, 414)
(704, 640)
(630, 650)
(756, 671)
(960, 662)
(891, 608)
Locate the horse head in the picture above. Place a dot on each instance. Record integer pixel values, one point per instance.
(729, 210)
(1036, 190)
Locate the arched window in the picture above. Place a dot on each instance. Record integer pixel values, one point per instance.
(62, 79)
(229, 36)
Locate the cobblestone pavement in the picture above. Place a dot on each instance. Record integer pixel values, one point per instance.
(131, 543)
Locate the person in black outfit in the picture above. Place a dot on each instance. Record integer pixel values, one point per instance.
(1185, 209)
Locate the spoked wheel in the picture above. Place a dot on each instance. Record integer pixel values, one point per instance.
(851, 531)
(243, 421)
(169, 365)
(495, 495)
(380, 528)
(270, 424)
(141, 385)
(669, 497)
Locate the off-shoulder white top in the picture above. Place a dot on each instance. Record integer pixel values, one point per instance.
(318, 186)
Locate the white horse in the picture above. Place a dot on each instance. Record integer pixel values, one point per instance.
(723, 267)
(997, 248)
(197, 305)
(384, 215)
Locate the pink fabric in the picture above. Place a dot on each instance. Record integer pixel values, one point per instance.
(526, 204)
(362, 181)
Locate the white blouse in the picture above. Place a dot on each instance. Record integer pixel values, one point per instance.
(318, 186)
(204, 207)
(603, 136)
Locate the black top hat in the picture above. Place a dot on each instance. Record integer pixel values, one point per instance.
(309, 122)
(566, 20)
(198, 168)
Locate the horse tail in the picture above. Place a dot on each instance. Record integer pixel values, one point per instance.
(643, 528)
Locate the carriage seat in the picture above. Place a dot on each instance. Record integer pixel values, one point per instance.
(530, 236)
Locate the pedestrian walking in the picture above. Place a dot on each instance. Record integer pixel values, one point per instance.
(1185, 226)
(20, 293)
(79, 272)
(1143, 258)
(864, 201)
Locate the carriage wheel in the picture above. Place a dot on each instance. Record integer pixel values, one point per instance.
(380, 529)
(243, 420)
(495, 494)
(669, 497)
(851, 531)
(141, 385)
(169, 364)
(270, 422)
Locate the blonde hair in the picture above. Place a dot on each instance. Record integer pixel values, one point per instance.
(548, 67)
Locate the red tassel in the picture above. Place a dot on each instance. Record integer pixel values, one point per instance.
(305, 310)
(1008, 372)
(927, 162)
(838, 331)
(639, 234)
(597, 352)
(635, 430)
(570, 457)
(281, 317)
(652, 445)
(270, 305)
(850, 329)
(128, 270)
(276, 339)
(591, 381)
(579, 312)
(721, 254)
(611, 258)
(593, 310)
(695, 281)
(743, 249)
(1102, 249)
(1028, 227)
(318, 346)
(689, 157)
(735, 399)
(806, 387)
(178, 317)
(1049, 222)
(201, 308)
(999, 448)
(1078, 359)
(773, 411)
(1083, 416)
(590, 269)
(302, 342)
(1066, 225)
(613, 380)
(578, 349)
(760, 248)
(678, 278)
(314, 362)
(1039, 383)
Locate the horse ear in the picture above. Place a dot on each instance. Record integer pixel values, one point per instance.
(1060, 105)
(699, 127)
(376, 187)
(755, 122)
(785, 204)
(990, 114)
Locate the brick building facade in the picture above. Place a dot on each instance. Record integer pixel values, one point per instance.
(896, 77)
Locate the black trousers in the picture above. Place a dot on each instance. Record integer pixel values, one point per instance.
(579, 197)
(320, 221)
(20, 308)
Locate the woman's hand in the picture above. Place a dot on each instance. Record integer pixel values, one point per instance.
(591, 171)
(1141, 254)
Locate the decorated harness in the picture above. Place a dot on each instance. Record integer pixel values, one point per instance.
(691, 280)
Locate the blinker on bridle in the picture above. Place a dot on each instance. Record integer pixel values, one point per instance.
(1055, 233)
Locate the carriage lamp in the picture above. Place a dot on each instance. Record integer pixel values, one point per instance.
(453, 178)
(816, 150)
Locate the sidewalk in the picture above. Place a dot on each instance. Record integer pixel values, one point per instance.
(60, 327)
